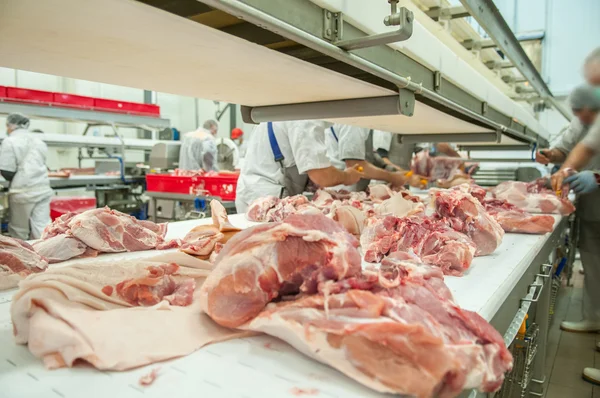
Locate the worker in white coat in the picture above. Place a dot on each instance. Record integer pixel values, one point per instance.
(23, 164)
(282, 157)
(199, 148)
(394, 154)
(349, 146)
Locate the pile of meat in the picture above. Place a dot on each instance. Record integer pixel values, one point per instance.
(513, 219)
(17, 261)
(99, 230)
(114, 316)
(533, 197)
(424, 238)
(438, 168)
(273, 209)
(396, 330)
(465, 214)
(205, 241)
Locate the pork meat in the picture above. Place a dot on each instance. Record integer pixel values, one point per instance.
(18, 259)
(465, 214)
(267, 261)
(431, 241)
(533, 199)
(513, 219)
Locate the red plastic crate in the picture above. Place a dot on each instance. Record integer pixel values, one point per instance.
(25, 94)
(123, 106)
(223, 186)
(60, 205)
(71, 100)
(2, 92)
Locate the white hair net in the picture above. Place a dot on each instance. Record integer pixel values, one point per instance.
(18, 120)
(585, 96)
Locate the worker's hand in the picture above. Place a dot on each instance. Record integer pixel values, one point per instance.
(353, 174)
(543, 156)
(582, 182)
(417, 181)
(398, 179)
(558, 179)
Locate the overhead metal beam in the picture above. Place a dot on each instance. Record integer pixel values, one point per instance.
(447, 12)
(402, 104)
(490, 19)
(452, 138)
(489, 43)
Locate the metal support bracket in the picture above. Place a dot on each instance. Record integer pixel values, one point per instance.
(484, 108)
(450, 137)
(333, 23)
(437, 81)
(401, 104)
(405, 22)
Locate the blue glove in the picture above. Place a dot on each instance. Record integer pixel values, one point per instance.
(582, 182)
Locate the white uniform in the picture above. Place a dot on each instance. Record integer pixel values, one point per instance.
(198, 151)
(399, 154)
(588, 211)
(345, 143)
(29, 195)
(302, 144)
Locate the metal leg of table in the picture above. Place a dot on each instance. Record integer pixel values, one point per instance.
(154, 210)
(542, 319)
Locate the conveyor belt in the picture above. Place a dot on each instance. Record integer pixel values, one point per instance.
(263, 366)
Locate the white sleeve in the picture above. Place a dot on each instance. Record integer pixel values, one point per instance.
(382, 140)
(592, 139)
(307, 142)
(352, 142)
(8, 159)
(569, 138)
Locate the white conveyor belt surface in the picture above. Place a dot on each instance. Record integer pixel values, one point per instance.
(251, 367)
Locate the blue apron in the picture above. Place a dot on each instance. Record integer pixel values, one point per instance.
(294, 183)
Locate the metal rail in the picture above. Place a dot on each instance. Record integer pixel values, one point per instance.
(489, 17)
(266, 21)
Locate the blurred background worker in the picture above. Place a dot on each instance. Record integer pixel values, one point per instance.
(237, 136)
(23, 164)
(395, 155)
(282, 157)
(199, 148)
(589, 146)
(349, 146)
(585, 106)
(585, 98)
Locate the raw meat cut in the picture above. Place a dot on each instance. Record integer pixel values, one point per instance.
(18, 260)
(380, 192)
(349, 217)
(409, 338)
(431, 241)
(465, 214)
(202, 240)
(272, 209)
(475, 190)
(399, 206)
(527, 196)
(111, 231)
(436, 168)
(267, 261)
(513, 219)
(74, 313)
(62, 247)
(100, 230)
(324, 197)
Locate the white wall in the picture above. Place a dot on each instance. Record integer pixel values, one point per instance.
(185, 113)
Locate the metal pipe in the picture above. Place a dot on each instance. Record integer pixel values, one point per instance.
(269, 22)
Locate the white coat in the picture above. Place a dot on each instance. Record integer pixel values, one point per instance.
(24, 153)
(198, 151)
(29, 194)
(302, 144)
(348, 143)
